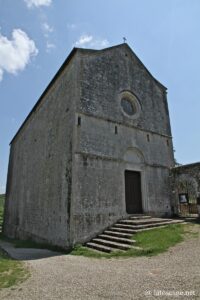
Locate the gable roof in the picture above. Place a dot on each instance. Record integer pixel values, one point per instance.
(63, 66)
(140, 62)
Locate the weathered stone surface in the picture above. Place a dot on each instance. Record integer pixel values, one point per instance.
(39, 180)
(66, 178)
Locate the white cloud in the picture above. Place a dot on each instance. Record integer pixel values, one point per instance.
(86, 40)
(15, 54)
(37, 3)
(49, 46)
(47, 28)
(71, 26)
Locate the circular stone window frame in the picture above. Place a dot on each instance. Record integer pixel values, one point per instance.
(134, 102)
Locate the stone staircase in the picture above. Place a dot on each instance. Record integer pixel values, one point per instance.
(118, 236)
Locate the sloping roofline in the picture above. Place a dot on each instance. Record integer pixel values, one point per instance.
(46, 90)
(67, 60)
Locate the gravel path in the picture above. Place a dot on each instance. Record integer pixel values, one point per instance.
(70, 277)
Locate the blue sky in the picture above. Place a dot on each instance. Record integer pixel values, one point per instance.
(37, 35)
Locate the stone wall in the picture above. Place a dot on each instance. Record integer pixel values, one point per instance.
(38, 194)
(185, 180)
(101, 158)
(105, 74)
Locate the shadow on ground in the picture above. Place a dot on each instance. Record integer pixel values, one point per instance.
(26, 253)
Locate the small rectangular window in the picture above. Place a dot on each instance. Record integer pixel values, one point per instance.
(79, 121)
(116, 130)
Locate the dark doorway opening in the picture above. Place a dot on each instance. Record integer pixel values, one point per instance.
(133, 192)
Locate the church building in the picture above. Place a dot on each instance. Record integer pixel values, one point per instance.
(95, 148)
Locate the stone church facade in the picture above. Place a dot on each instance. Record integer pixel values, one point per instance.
(96, 147)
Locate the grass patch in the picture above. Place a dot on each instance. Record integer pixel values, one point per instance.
(87, 252)
(11, 271)
(80, 250)
(152, 242)
(158, 240)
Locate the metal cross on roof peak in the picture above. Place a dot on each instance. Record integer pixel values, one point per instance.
(125, 39)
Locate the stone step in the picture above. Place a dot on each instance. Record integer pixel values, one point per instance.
(139, 217)
(111, 244)
(144, 221)
(118, 234)
(116, 239)
(176, 222)
(149, 228)
(123, 230)
(99, 247)
(135, 227)
(161, 226)
(125, 226)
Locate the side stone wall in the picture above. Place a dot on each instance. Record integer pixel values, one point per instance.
(185, 180)
(38, 194)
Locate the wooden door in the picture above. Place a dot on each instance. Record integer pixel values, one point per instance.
(133, 192)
